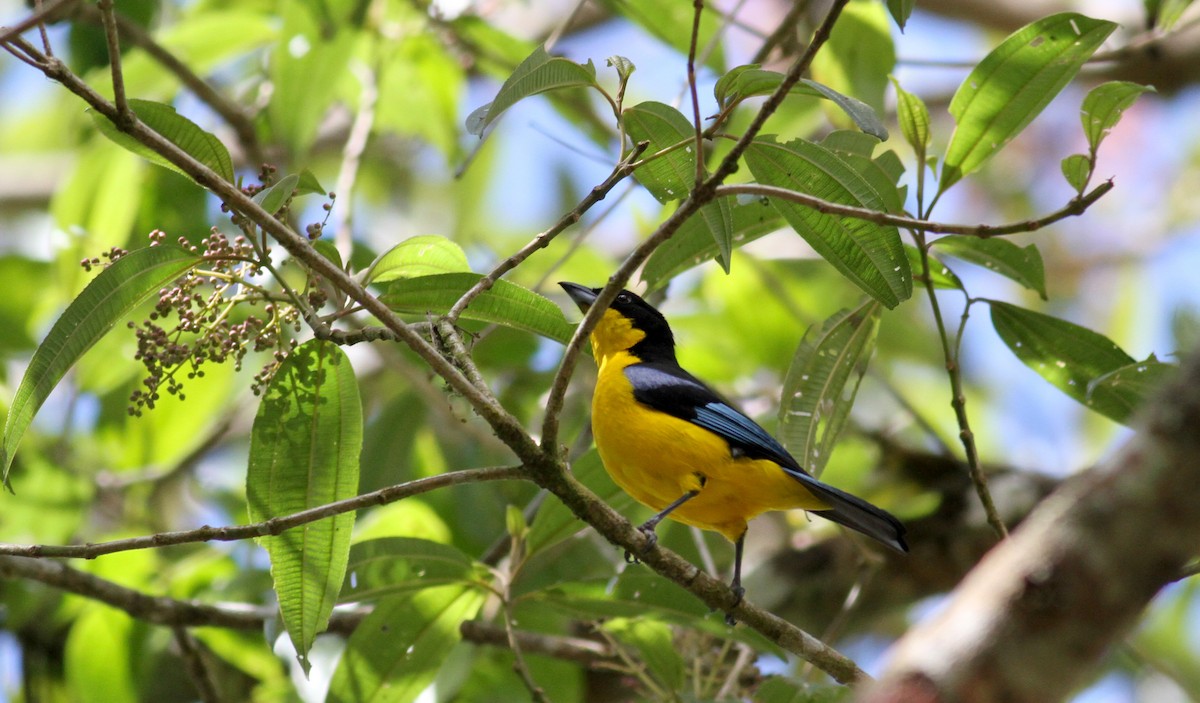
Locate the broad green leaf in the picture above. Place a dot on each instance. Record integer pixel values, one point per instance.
(914, 119)
(99, 657)
(504, 303)
(1068, 356)
(1013, 84)
(422, 255)
(859, 55)
(870, 255)
(1077, 169)
(385, 567)
(654, 643)
(718, 220)
(538, 73)
(273, 197)
(750, 80)
(112, 295)
(175, 128)
(395, 653)
(941, 274)
(693, 244)
(901, 10)
(1021, 264)
(822, 381)
(882, 172)
(672, 175)
(304, 450)
(308, 67)
(1103, 107)
(555, 522)
(1132, 384)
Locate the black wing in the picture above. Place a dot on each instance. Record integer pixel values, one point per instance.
(670, 389)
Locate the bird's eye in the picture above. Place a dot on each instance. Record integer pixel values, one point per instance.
(623, 298)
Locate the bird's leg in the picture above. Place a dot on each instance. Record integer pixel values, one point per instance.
(647, 527)
(736, 584)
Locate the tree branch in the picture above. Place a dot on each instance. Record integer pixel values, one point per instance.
(274, 526)
(1076, 206)
(1041, 610)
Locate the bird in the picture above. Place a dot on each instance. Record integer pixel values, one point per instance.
(676, 446)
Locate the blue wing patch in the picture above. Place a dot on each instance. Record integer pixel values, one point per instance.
(670, 389)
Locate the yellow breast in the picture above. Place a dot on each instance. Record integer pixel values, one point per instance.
(657, 458)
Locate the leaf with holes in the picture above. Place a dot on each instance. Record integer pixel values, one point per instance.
(1013, 84)
(304, 452)
(822, 381)
(1021, 264)
(1068, 356)
(1131, 385)
(1103, 107)
(667, 176)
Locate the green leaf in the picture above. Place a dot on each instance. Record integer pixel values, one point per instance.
(1068, 356)
(750, 80)
(1013, 84)
(112, 295)
(914, 119)
(1021, 264)
(555, 522)
(941, 274)
(304, 450)
(422, 255)
(1103, 107)
(538, 73)
(175, 128)
(870, 255)
(822, 381)
(718, 220)
(504, 303)
(859, 55)
(672, 175)
(667, 20)
(1163, 14)
(388, 566)
(654, 643)
(882, 172)
(395, 653)
(273, 197)
(1077, 169)
(308, 184)
(693, 244)
(623, 66)
(1132, 385)
(900, 11)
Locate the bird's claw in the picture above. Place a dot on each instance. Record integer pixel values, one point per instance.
(738, 592)
(651, 540)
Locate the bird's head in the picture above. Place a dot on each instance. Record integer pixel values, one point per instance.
(630, 324)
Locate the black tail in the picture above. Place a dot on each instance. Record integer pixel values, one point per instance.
(858, 514)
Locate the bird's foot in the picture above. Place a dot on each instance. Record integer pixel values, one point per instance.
(738, 592)
(651, 536)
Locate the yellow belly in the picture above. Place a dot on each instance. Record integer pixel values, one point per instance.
(657, 458)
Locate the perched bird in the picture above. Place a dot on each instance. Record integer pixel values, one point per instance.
(677, 447)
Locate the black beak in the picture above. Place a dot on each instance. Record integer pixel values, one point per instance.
(582, 295)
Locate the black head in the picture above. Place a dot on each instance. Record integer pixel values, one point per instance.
(658, 344)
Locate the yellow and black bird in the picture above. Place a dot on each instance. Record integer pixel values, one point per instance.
(677, 447)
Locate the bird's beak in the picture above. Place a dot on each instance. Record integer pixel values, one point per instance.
(582, 295)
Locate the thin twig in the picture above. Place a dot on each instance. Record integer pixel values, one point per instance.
(698, 10)
(231, 112)
(274, 526)
(536, 692)
(589, 653)
(958, 397)
(113, 37)
(786, 26)
(44, 12)
(1076, 206)
(192, 654)
(543, 239)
